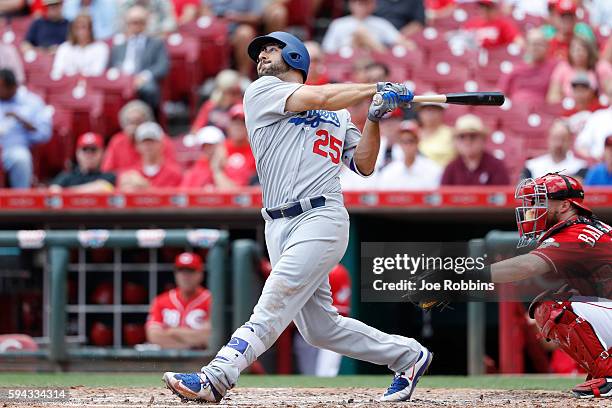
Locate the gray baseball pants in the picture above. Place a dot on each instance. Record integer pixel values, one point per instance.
(303, 250)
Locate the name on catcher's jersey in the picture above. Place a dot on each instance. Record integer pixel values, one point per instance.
(298, 154)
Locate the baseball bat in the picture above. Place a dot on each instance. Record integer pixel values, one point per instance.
(467, 98)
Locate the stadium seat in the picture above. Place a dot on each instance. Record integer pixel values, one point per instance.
(52, 157)
(116, 90)
(401, 61)
(455, 111)
(510, 148)
(13, 30)
(187, 150)
(445, 76)
(300, 13)
(183, 78)
(429, 39)
(211, 35)
(455, 55)
(84, 107)
(48, 86)
(496, 56)
(36, 64)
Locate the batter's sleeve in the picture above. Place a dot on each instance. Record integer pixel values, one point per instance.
(265, 100)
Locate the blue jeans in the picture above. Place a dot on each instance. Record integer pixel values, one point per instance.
(17, 162)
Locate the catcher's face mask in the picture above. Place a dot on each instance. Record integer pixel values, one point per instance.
(531, 214)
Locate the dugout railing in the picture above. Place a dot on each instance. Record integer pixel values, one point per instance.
(56, 247)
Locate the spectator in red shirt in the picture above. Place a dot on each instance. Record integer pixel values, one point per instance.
(200, 175)
(227, 93)
(474, 166)
(180, 318)
(528, 82)
(121, 152)
(493, 29)
(154, 170)
(234, 165)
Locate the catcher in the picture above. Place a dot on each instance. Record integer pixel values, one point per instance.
(576, 247)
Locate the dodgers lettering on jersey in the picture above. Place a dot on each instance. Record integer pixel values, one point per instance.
(298, 155)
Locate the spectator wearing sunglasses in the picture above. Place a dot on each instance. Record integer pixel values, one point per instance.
(474, 166)
(86, 176)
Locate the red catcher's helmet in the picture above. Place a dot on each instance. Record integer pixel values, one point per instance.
(534, 196)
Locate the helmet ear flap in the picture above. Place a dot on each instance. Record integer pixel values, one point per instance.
(295, 56)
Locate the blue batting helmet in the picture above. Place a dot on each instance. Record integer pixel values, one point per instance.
(293, 51)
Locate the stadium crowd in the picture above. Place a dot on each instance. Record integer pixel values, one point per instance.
(88, 88)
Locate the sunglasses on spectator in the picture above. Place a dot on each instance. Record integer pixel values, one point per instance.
(469, 135)
(89, 149)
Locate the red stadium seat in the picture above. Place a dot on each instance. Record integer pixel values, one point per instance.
(85, 110)
(47, 86)
(496, 56)
(13, 30)
(510, 115)
(37, 64)
(300, 13)
(401, 61)
(183, 78)
(454, 55)
(116, 90)
(455, 111)
(52, 157)
(211, 35)
(445, 76)
(429, 39)
(510, 148)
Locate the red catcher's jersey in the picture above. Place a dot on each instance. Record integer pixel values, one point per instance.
(580, 251)
(169, 309)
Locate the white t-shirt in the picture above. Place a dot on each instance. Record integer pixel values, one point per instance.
(541, 165)
(424, 174)
(537, 8)
(593, 136)
(71, 59)
(340, 32)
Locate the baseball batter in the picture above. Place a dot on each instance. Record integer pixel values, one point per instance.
(300, 136)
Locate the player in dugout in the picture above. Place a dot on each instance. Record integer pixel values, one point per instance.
(180, 317)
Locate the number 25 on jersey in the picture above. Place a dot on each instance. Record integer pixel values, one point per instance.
(327, 146)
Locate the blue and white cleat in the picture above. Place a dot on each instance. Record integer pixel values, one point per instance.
(404, 383)
(192, 387)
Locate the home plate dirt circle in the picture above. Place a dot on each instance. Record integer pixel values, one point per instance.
(81, 396)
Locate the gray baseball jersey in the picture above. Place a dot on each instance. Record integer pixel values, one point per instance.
(298, 155)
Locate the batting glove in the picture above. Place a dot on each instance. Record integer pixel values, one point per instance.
(383, 103)
(402, 90)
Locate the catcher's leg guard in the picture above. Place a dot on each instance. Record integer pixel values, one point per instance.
(575, 336)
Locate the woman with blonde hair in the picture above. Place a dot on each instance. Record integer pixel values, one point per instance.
(80, 55)
(582, 58)
(226, 93)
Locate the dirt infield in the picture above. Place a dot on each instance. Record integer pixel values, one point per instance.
(316, 397)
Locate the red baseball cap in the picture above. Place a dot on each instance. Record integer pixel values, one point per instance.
(236, 111)
(488, 2)
(608, 141)
(188, 260)
(90, 139)
(566, 7)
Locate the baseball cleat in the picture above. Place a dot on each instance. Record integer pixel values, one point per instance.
(405, 382)
(192, 387)
(595, 388)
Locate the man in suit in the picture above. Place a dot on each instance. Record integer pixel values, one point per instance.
(142, 56)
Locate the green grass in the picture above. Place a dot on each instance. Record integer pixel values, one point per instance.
(528, 382)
